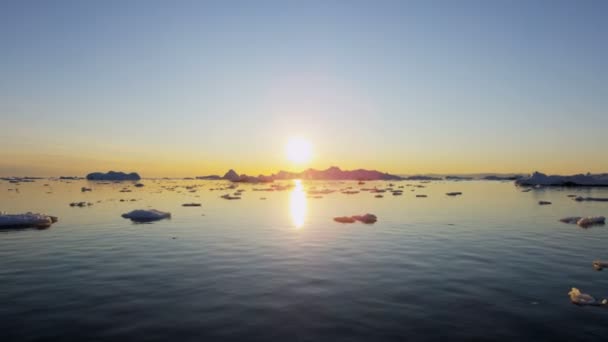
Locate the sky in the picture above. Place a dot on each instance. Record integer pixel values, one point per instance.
(186, 88)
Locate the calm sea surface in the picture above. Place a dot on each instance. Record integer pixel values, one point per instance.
(491, 264)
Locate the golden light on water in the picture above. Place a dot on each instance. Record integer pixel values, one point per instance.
(297, 204)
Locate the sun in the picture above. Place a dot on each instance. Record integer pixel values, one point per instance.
(298, 150)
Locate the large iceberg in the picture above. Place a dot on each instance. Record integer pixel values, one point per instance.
(113, 176)
(27, 220)
(538, 178)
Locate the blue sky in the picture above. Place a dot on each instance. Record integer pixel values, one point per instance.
(194, 87)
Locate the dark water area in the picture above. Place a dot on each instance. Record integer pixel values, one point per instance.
(490, 265)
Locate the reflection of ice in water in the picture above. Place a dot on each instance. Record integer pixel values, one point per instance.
(297, 204)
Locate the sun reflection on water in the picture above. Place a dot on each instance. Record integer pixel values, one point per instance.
(297, 204)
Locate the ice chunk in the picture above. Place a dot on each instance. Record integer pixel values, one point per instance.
(344, 219)
(544, 202)
(143, 215)
(27, 220)
(191, 205)
(584, 221)
(579, 298)
(599, 265)
(590, 199)
(367, 218)
(571, 219)
(592, 220)
(455, 193)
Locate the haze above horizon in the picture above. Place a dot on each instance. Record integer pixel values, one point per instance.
(406, 87)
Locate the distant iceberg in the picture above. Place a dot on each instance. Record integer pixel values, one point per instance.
(27, 220)
(541, 179)
(113, 176)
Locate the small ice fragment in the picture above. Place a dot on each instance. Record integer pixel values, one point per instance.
(599, 265)
(344, 219)
(455, 193)
(544, 202)
(579, 298)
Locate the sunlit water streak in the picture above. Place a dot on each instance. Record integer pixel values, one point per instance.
(297, 204)
(490, 264)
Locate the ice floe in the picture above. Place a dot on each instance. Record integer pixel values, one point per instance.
(27, 220)
(113, 176)
(600, 265)
(143, 215)
(584, 221)
(590, 199)
(579, 298)
(367, 218)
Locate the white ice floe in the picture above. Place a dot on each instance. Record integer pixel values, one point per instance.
(142, 215)
(579, 298)
(27, 220)
(538, 178)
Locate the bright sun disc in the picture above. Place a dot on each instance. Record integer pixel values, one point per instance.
(298, 150)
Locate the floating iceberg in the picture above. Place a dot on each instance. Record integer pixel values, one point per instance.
(538, 178)
(571, 219)
(579, 298)
(590, 199)
(367, 218)
(584, 221)
(455, 193)
(589, 221)
(344, 219)
(81, 204)
(113, 176)
(544, 202)
(599, 265)
(191, 205)
(27, 220)
(143, 215)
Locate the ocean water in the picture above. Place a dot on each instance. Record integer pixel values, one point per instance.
(491, 264)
